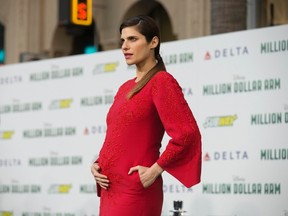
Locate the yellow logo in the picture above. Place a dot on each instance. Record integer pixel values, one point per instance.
(61, 104)
(6, 134)
(110, 67)
(220, 121)
(63, 188)
(226, 120)
(105, 68)
(6, 213)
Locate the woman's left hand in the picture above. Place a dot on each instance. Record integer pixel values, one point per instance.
(147, 174)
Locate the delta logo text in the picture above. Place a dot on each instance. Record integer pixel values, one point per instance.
(176, 188)
(226, 156)
(187, 91)
(274, 118)
(93, 130)
(60, 104)
(179, 58)
(56, 73)
(239, 186)
(242, 86)
(226, 53)
(6, 135)
(10, 162)
(55, 161)
(60, 189)
(20, 107)
(10, 80)
(105, 68)
(274, 46)
(274, 154)
(220, 121)
(49, 132)
(20, 189)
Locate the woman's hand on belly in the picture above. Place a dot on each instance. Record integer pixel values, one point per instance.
(147, 174)
(100, 179)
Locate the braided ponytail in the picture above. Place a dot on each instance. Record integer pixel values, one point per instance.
(160, 66)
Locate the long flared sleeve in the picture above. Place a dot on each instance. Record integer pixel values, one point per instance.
(182, 155)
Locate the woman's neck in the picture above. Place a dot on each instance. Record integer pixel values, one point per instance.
(142, 71)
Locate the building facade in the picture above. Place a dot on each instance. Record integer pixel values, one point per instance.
(36, 29)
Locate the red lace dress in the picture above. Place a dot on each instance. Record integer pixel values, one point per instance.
(135, 128)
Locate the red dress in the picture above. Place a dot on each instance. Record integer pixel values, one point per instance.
(135, 128)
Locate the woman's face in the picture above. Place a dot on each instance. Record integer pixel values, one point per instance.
(135, 47)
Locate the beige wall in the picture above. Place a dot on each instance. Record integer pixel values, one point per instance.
(32, 25)
(280, 11)
(29, 26)
(190, 18)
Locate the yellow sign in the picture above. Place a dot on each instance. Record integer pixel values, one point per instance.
(6, 134)
(82, 12)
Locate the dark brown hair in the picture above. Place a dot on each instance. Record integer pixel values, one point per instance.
(147, 27)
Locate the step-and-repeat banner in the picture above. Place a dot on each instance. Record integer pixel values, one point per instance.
(52, 125)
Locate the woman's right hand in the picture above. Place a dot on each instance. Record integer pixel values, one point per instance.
(100, 179)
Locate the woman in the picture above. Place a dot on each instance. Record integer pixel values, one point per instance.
(128, 170)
